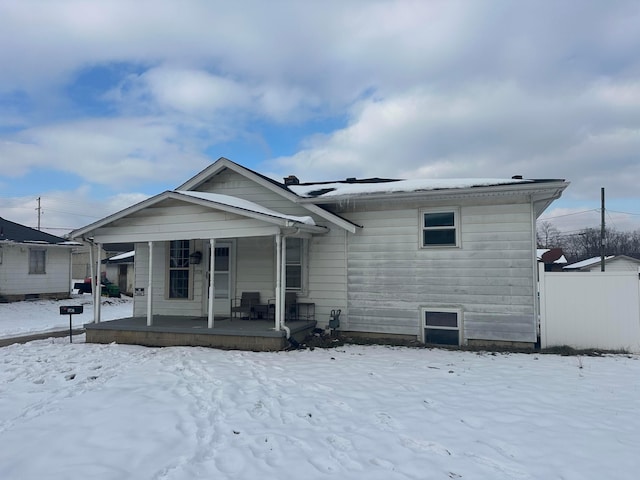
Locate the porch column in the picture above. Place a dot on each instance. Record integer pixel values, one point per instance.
(212, 287)
(98, 290)
(150, 288)
(92, 277)
(278, 311)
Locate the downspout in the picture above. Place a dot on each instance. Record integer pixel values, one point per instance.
(278, 281)
(536, 300)
(283, 280)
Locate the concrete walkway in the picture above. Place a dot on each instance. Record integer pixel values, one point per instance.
(39, 336)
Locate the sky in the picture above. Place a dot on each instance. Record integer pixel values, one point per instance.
(103, 104)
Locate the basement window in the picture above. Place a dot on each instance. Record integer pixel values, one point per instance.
(439, 228)
(442, 326)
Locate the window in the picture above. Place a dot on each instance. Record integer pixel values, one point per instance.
(179, 271)
(439, 228)
(442, 326)
(222, 271)
(37, 260)
(294, 264)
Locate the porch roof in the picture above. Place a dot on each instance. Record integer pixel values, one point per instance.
(215, 202)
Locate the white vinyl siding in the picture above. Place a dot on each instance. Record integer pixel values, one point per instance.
(490, 276)
(162, 304)
(16, 280)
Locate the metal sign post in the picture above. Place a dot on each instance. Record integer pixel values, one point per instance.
(71, 310)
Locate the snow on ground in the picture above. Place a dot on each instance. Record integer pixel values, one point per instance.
(127, 412)
(35, 316)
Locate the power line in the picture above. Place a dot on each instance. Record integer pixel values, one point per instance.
(569, 214)
(625, 213)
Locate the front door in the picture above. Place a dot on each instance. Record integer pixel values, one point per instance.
(222, 278)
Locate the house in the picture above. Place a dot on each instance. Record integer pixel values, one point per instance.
(33, 264)
(82, 257)
(612, 263)
(119, 269)
(437, 261)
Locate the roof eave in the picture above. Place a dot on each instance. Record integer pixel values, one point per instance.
(554, 188)
(279, 221)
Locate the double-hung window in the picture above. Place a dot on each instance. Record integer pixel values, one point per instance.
(440, 228)
(37, 261)
(179, 271)
(294, 264)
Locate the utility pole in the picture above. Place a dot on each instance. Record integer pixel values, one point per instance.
(602, 229)
(39, 210)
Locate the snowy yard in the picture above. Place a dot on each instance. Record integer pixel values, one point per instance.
(126, 412)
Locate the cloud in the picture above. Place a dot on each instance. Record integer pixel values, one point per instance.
(117, 152)
(497, 129)
(65, 210)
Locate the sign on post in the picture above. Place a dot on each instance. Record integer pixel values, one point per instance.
(71, 310)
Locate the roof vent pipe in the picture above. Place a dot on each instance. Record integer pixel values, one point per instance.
(517, 177)
(291, 180)
(351, 179)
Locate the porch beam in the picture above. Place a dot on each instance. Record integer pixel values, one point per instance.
(150, 288)
(212, 287)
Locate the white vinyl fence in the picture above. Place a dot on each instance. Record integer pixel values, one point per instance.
(584, 310)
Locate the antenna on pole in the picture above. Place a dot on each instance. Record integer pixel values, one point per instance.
(39, 210)
(602, 232)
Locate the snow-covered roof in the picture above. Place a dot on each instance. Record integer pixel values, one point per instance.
(123, 256)
(245, 205)
(587, 262)
(339, 189)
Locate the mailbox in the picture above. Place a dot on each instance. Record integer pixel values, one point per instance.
(71, 309)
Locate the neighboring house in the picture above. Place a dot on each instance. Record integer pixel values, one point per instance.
(612, 263)
(82, 257)
(553, 259)
(438, 261)
(119, 269)
(33, 264)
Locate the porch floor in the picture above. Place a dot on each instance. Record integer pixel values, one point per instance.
(227, 333)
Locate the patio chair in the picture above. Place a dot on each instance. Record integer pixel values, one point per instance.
(244, 307)
(290, 306)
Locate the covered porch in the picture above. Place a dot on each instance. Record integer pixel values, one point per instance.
(227, 333)
(196, 253)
